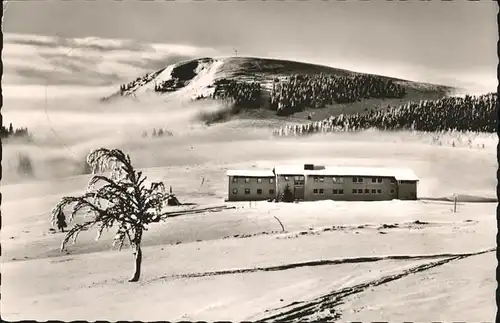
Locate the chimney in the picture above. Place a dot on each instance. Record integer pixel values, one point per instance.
(308, 166)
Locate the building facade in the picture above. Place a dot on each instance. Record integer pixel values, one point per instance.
(314, 183)
(251, 185)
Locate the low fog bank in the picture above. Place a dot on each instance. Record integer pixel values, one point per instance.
(443, 171)
(65, 130)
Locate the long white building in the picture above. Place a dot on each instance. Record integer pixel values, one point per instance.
(315, 182)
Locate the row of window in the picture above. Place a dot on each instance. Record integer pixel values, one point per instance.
(247, 180)
(334, 191)
(295, 178)
(321, 191)
(321, 179)
(368, 191)
(247, 191)
(373, 180)
(317, 179)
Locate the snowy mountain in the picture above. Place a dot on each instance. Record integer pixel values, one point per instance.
(197, 78)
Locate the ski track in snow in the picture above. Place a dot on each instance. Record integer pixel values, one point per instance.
(322, 263)
(323, 307)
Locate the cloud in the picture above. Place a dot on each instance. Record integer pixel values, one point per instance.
(91, 61)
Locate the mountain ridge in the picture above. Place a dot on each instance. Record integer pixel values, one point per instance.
(208, 78)
(264, 70)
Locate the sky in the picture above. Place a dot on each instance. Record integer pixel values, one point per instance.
(450, 42)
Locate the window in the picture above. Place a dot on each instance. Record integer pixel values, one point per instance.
(298, 180)
(259, 180)
(354, 179)
(374, 191)
(235, 179)
(393, 181)
(286, 178)
(354, 191)
(321, 191)
(271, 192)
(374, 180)
(360, 179)
(379, 191)
(259, 191)
(338, 180)
(315, 191)
(335, 191)
(360, 191)
(379, 180)
(321, 179)
(341, 191)
(235, 191)
(247, 180)
(247, 191)
(367, 191)
(271, 180)
(392, 191)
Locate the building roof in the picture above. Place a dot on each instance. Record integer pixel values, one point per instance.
(251, 173)
(401, 174)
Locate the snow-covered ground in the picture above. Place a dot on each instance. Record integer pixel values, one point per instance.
(185, 257)
(344, 260)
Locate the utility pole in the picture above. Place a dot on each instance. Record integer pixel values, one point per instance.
(235, 52)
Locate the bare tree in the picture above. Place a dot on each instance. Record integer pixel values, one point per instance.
(122, 201)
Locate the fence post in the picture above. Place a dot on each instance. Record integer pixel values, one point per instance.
(455, 203)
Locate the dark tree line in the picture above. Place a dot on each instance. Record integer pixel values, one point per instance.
(169, 85)
(158, 133)
(125, 87)
(11, 132)
(241, 94)
(469, 113)
(138, 82)
(303, 91)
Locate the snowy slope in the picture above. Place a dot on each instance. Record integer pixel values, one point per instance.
(205, 72)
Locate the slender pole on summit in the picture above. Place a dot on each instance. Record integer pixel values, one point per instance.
(235, 52)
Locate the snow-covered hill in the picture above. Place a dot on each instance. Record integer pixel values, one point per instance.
(194, 78)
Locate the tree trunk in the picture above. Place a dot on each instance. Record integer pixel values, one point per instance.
(138, 262)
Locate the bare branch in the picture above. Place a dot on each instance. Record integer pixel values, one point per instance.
(74, 232)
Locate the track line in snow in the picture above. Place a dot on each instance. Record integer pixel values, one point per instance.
(319, 263)
(323, 307)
